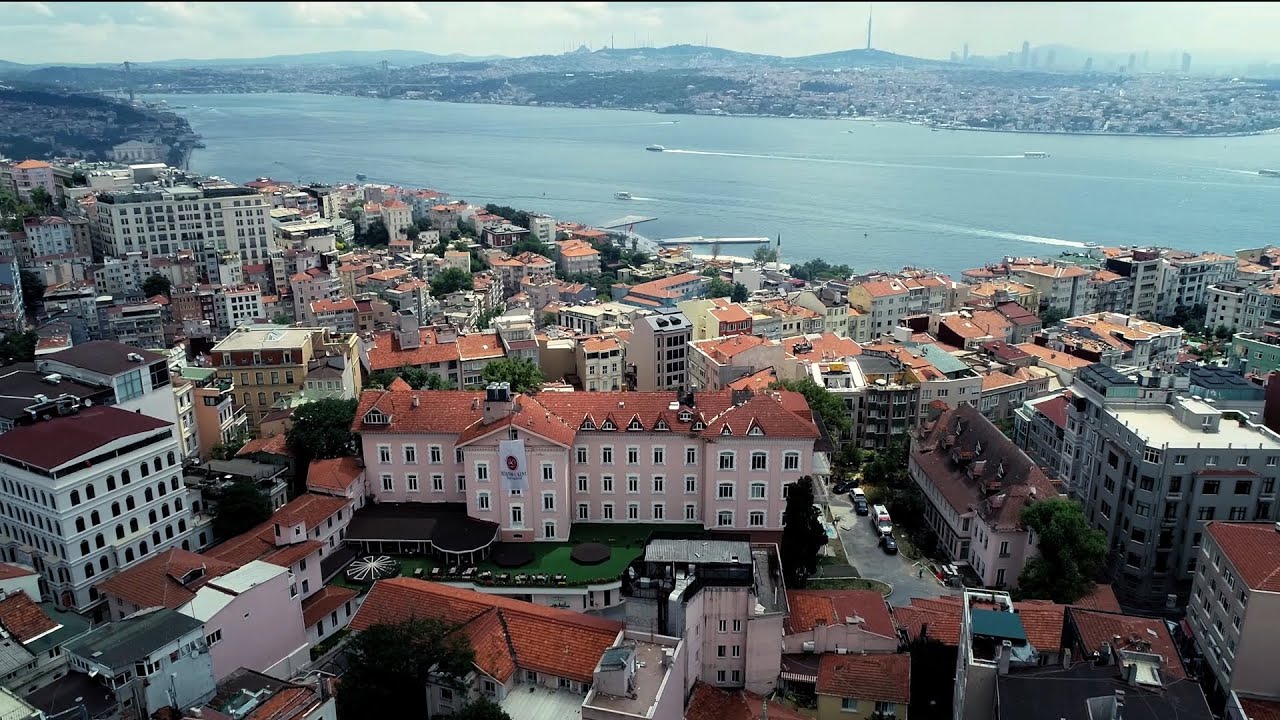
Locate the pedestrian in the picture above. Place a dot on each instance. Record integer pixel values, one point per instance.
(921, 573)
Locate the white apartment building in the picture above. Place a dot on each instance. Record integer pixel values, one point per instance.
(1242, 305)
(239, 306)
(1191, 276)
(88, 492)
(887, 299)
(659, 351)
(1235, 599)
(1061, 287)
(138, 378)
(210, 219)
(542, 228)
(48, 236)
(122, 274)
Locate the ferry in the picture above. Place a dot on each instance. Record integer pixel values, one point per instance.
(1269, 173)
(361, 176)
(622, 195)
(1032, 154)
(655, 148)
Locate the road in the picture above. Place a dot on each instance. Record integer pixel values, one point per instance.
(861, 545)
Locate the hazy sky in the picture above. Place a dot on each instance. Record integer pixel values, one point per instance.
(139, 31)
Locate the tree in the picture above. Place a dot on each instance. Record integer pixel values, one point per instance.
(481, 709)
(42, 200)
(376, 234)
(390, 665)
(528, 244)
(32, 291)
(19, 346)
(417, 378)
(1222, 332)
(719, 287)
(282, 319)
(451, 280)
(241, 507)
(711, 272)
(819, 269)
(550, 319)
(764, 255)
(322, 429)
(1050, 316)
(522, 373)
(831, 409)
(157, 285)
(485, 319)
(1071, 552)
(740, 293)
(79, 179)
(802, 533)
(412, 232)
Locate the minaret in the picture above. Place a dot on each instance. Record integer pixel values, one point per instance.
(869, 9)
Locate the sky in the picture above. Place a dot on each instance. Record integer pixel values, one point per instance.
(74, 32)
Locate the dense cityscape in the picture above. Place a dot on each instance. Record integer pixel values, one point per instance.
(286, 450)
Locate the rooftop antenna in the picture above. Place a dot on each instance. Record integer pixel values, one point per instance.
(870, 8)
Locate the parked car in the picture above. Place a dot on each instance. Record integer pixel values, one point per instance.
(889, 544)
(841, 487)
(860, 505)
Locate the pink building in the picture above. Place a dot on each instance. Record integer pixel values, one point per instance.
(31, 174)
(718, 459)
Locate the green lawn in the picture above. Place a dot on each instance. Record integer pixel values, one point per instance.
(849, 584)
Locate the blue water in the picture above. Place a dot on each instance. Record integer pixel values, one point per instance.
(874, 195)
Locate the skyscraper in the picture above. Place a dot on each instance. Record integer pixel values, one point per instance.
(1088, 64)
(1133, 61)
(964, 56)
(1186, 63)
(1048, 62)
(1026, 52)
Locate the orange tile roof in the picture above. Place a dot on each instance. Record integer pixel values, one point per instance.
(289, 703)
(1254, 550)
(1093, 628)
(478, 346)
(831, 607)
(1053, 357)
(386, 353)
(883, 288)
(21, 616)
(1042, 623)
(336, 474)
(725, 349)
(260, 544)
(758, 381)
(527, 414)
(600, 344)
(320, 604)
(32, 165)
(310, 509)
(1102, 597)
(327, 306)
(398, 384)
(827, 346)
(505, 633)
(157, 582)
(9, 571)
(275, 445)
(995, 380)
(731, 314)
(878, 678)
(1260, 708)
(712, 703)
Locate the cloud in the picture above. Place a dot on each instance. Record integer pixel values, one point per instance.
(106, 32)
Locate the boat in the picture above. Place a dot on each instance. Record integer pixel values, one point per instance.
(361, 176)
(1269, 173)
(1034, 154)
(1092, 246)
(655, 148)
(622, 195)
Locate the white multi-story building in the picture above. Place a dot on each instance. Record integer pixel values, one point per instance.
(239, 306)
(659, 351)
(47, 236)
(542, 228)
(1242, 305)
(89, 492)
(138, 378)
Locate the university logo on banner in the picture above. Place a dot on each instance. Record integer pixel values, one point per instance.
(512, 466)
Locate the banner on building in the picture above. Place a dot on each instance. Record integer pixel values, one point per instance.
(512, 466)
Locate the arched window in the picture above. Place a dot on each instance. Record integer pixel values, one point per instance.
(111, 483)
(170, 458)
(124, 477)
(84, 548)
(186, 544)
(104, 564)
(95, 518)
(128, 555)
(75, 497)
(88, 570)
(133, 525)
(156, 465)
(79, 524)
(115, 509)
(195, 507)
(168, 532)
(173, 483)
(182, 526)
(177, 505)
(99, 541)
(164, 510)
(203, 539)
(90, 492)
(161, 489)
(142, 549)
(119, 532)
(151, 516)
(143, 470)
(155, 537)
(128, 502)
(148, 495)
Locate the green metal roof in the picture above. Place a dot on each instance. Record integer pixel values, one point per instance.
(1003, 625)
(941, 359)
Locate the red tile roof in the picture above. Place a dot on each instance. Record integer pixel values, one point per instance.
(529, 414)
(758, 381)
(260, 544)
(876, 678)
(505, 633)
(712, 703)
(309, 509)
(22, 617)
(477, 346)
(334, 475)
(320, 605)
(1260, 709)
(1093, 628)
(1042, 623)
(386, 353)
(1254, 550)
(1102, 597)
(52, 443)
(157, 582)
(833, 607)
(827, 346)
(9, 571)
(275, 445)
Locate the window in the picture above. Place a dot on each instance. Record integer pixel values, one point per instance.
(736, 676)
(1268, 486)
(1151, 455)
(721, 650)
(633, 511)
(727, 460)
(1239, 513)
(1244, 487)
(411, 454)
(690, 485)
(384, 454)
(759, 460)
(582, 483)
(606, 511)
(435, 455)
(606, 455)
(724, 517)
(736, 651)
(633, 456)
(633, 483)
(659, 511)
(548, 501)
(606, 483)
(690, 511)
(691, 456)
(482, 471)
(549, 529)
(129, 386)
(1242, 461)
(462, 483)
(548, 472)
(659, 455)
(482, 501)
(720, 675)
(584, 511)
(1004, 549)
(723, 626)
(724, 491)
(791, 461)
(213, 638)
(756, 518)
(885, 708)
(1211, 460)
(1179, 459)
(758, 491)
(387, 483)
(517, 516)
(1205, 513)
(437, 483)
(581, 454)
(737, 626)
(849, 704)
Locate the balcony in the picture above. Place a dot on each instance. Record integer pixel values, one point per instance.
(237, 421)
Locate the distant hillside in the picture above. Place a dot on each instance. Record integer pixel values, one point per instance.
(336, 57)
(852, 58)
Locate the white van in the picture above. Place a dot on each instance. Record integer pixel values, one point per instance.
(880, 518)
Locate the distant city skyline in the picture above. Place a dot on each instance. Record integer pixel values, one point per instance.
(76, 32)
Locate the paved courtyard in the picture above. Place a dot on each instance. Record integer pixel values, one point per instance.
(861, 545)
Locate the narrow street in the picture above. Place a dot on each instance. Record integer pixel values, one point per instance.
(861, 545)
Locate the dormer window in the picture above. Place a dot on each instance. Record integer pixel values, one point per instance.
(726, 430)
(661, 425)
(685, 416)
(635, 424)
(755, 430)
(587, 424)
(699, 425)
(608, 425)
(377, 417)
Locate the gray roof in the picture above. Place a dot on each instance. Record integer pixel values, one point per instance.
(21, 382)
(668, 320)
(13, 656)
(1072, 694)
(698, 551)
(126, 641)
(106, 357)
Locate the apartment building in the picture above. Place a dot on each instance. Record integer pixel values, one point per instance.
(209, 218)
(46, 236)
(1192, 274)
(67, 481)
(1153, 467)
(310, 286)
(713, 364)
(658, 351)
(1040, 429)
(574, 257)
(1060, 287)
(13, 312)
(139, 326)
(887, 300)
(593, 457)
(269, 363)
(1234, 599)
(599, 363)
(31, 174)
(237, 306)
(662, 293)
(139, 379)
(336, 316)
(976, 483)
(1243, 305)
(1125, 342)
(717, 318)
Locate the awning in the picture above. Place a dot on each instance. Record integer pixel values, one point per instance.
(799, 678)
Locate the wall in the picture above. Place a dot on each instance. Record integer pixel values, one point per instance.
(827, 638)
(764, 662)
(260, 628)
(829, 708)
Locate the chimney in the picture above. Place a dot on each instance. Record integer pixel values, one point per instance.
(407, 334)
(1066, 658)
(1119, 713)
(1006, 654)
(1130, 675)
